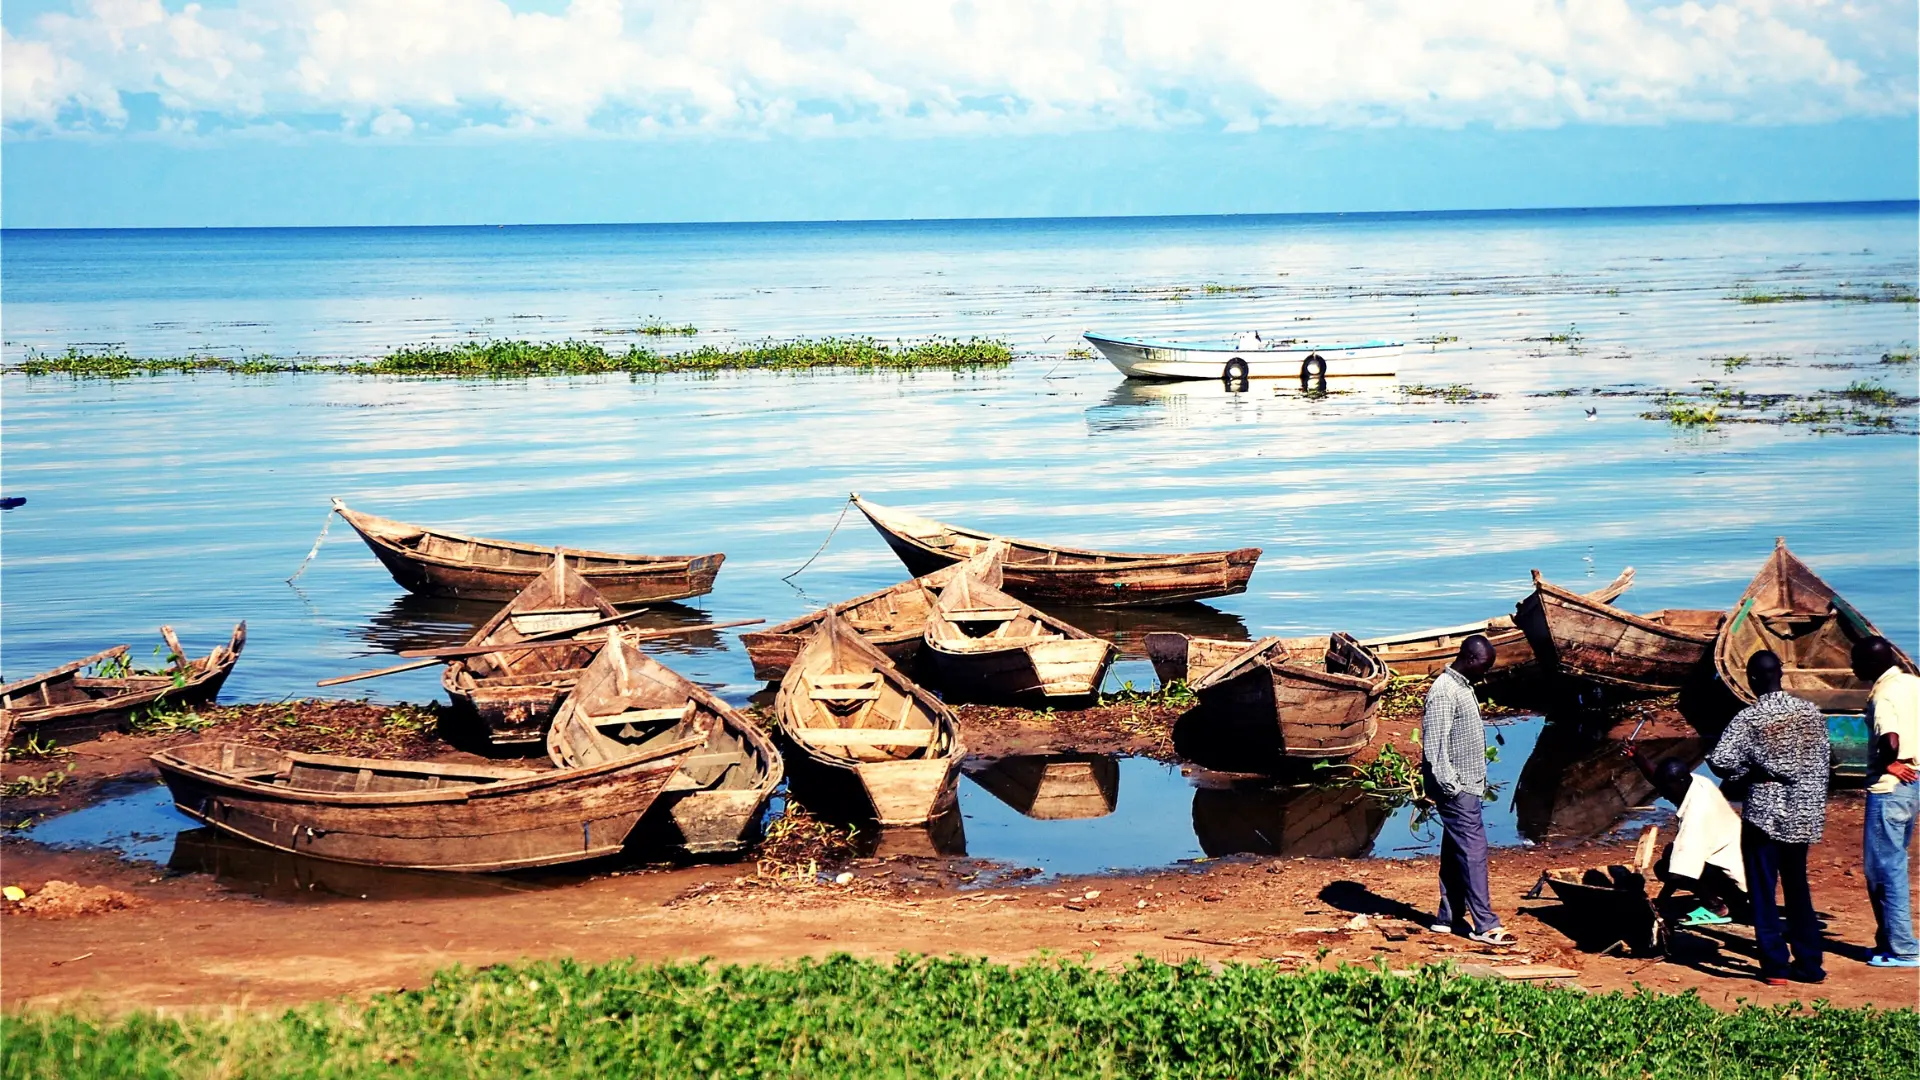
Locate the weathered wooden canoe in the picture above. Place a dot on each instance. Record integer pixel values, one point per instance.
(1049, 574)
(1788, 609)
(1317, 696)
(893, 620)
(628, 703)
(418, 815)
(510, 697)
(1308, 822)
(67, 703)
(867, 741)
(983, 645)
(1052, 787)
(442, 563)
(1428, 652)
(1582, 638)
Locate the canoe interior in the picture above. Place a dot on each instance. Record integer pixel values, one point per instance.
(326, 774)
(1787, 608)
(843, 700)
(627, 703)
(956, 542)
(894, 619)
(513, 695)
(95, 693)
(1306, 697)
(971, 615)
(983, 645)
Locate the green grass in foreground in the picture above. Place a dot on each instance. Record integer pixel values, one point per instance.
(961, 1017)
(514, 359)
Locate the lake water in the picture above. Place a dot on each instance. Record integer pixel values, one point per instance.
(190, 500)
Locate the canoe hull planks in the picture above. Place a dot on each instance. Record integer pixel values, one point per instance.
(1788, 608)
(435, 562)
(1425, 653)
(1047, 574)
(1011, 672)
(67, 706)
(480, 820)
(1304, 697)
(892, 619)
(1597, 642)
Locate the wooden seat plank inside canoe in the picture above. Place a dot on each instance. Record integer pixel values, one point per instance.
(851, 737)
(667, 715)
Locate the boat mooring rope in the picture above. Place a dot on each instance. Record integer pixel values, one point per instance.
(816, 554)
(321, 539)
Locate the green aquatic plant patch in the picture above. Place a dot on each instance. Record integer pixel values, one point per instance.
(522, 359)
(962, 1017)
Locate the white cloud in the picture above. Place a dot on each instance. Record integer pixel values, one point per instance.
(399, 67)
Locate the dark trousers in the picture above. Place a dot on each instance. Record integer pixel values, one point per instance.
(1463, 862)
(1773, 862)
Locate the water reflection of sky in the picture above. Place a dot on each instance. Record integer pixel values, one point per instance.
(190, 500)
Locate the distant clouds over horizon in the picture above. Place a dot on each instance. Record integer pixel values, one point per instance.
(428, 70)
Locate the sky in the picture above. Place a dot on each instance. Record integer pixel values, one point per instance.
(121, 113)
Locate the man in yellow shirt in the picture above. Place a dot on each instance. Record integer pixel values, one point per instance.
(1893, 796)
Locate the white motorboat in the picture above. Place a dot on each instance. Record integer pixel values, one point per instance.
(1281, 359)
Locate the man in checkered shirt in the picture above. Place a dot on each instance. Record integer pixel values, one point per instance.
(1453, 744)
(1779, 746)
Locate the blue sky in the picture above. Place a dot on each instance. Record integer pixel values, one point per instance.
(323, 112)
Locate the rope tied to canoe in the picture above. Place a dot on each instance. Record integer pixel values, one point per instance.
(823, 544)
(317, 541)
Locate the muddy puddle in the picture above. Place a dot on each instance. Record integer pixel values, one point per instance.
(1024, 816)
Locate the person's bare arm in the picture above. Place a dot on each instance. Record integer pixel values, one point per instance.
(1887, 749)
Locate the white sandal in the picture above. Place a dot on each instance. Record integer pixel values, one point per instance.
(1499, 935)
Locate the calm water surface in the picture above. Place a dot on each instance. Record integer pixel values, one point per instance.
(190, 500)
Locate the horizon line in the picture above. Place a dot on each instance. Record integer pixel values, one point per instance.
(1458, 212)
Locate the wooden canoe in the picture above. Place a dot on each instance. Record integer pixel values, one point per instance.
(867, 741)
(417, 815)
(1307, 822)
(1788, 609)
(1582, 638)
(893, 620)
(509, 698)
(1317, 696)
(628, 703)
(67, 703)
(983, 645)
(1053, 575)
(1052, 787)
(439, 562)
(1428, 652)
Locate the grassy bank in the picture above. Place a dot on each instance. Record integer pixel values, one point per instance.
(959, 1017)
(519, 359)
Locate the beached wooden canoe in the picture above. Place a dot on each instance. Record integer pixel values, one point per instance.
(1048, 574)
(628, 703)
(1052, 787)
(419, 815)
(67, 703)
(1582, 638)
(1428, 652)
(867, 741)
(983, 645)
(1307, 697)
(1788, 609)
(893, 620)
(509, 698)
(443, 563)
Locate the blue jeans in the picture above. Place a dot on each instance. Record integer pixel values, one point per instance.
(1889, 833)
(1777, 864)
(1463, 861)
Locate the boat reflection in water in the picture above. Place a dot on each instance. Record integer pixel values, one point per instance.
(1256, 818)
(1052, 787)
(255, 868)
(428, 622)
(945, 835)
(1576, 786)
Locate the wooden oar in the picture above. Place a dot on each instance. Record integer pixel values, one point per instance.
(454, 651)
(432, 660)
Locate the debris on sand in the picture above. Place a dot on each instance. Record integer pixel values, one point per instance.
(66, 900)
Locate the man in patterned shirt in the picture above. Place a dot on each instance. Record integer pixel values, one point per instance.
(1779, 746)
(1453, 744)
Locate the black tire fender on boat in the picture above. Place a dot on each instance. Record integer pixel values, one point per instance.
(1235, 371)
(1314, 366)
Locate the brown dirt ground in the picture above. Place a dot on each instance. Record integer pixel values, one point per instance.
(192, 943)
